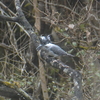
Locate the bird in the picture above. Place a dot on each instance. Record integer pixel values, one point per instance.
(45, 39)
(51, 49)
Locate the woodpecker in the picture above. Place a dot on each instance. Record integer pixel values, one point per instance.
(52, 50)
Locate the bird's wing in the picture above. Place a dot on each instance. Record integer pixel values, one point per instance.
(56, 49)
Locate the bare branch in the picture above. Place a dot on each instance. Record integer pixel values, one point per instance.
(3, 45)
(43, 81)
(38, 15)
(23, 21)
(62, 7)
(5, 18)
(10, 90)
(6, 8)
(75, 75)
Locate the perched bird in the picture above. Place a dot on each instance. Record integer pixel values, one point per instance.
(52, 50)
(43, 41)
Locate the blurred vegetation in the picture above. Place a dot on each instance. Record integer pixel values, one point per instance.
(78, 32)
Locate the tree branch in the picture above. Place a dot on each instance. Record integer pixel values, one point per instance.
(75, 75)
(43, 80)
(3, 45)
(10, 90)
(23, 21)
(5, 18)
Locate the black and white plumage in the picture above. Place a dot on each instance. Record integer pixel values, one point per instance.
(45, 40)
(56, 49)
(51, 49)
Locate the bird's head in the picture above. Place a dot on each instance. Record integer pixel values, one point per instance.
(45, 40)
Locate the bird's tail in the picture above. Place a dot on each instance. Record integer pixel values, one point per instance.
(70, 55)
